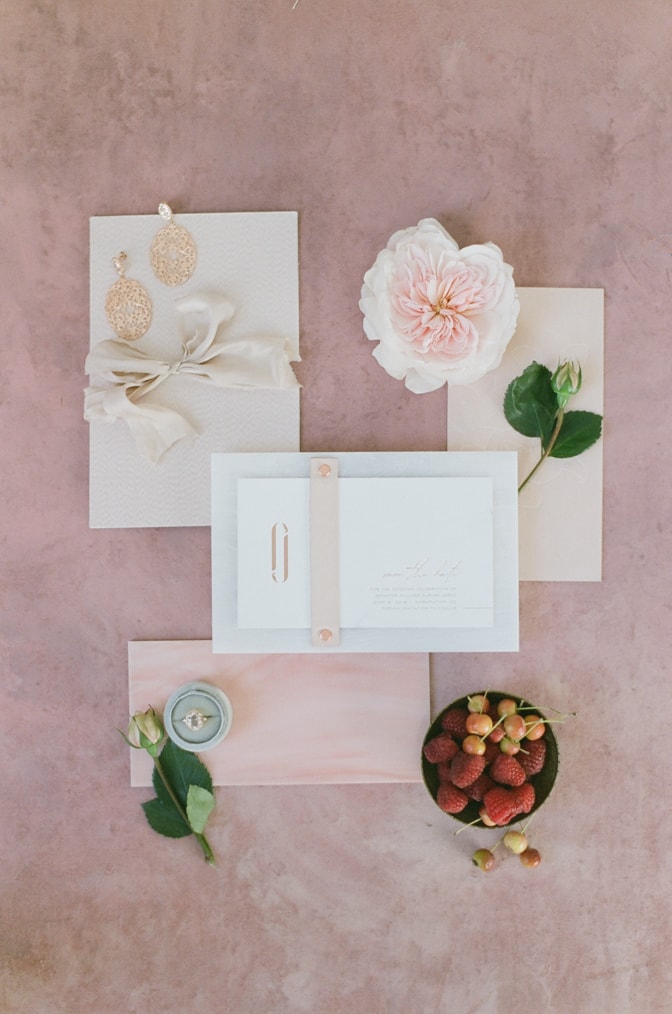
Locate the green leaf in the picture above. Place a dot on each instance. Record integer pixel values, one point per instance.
(530, 405)
(200, 804)
(165, 819)
(579, 431)
(182, 769)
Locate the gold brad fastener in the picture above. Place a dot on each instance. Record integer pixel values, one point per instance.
(324, 470)
(325, 634)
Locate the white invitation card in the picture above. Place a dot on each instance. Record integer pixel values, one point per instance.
(413, 552)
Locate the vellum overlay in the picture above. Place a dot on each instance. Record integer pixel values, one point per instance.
(427, 560)
(413, 553)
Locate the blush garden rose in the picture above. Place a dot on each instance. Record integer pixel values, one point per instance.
(440, 315)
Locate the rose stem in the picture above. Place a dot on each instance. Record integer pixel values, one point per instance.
(549, 447)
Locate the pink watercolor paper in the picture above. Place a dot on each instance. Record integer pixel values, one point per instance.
(297, 719)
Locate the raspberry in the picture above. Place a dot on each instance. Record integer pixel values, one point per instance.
(535, 757)
(524, 797)
(451, 799)
(443, 771)
(465, 768)
(455, 722)
(506, 770)
(499, 805)
(491, 751)
(440, 748)
(479, 788)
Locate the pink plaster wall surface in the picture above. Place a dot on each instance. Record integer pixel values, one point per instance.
(544, 127)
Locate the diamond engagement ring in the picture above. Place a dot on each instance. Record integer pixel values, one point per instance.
(195, 719)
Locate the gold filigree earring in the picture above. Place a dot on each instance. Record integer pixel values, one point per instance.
(128, 307)
(173, 251)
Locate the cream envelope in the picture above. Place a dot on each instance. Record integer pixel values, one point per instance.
(427, 553)
(239, 256)
(560, 510)
(296, 719)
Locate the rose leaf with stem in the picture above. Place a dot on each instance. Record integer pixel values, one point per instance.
(535, 405)
(177, 773)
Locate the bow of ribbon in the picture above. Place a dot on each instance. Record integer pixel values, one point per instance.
(122, 374)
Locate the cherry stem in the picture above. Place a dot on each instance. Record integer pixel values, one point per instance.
(527, 824)
(535, 707)
(465, 826)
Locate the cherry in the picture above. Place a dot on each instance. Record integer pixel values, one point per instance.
(514, 726)
(479, 723)
(507, 706)
(515, 841)
(509, 746)
(483, 858)
(474, 745)
(535, 727)
(478, 704)
(483, 814)
(530, 857)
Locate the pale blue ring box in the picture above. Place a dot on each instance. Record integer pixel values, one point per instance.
(208, 699)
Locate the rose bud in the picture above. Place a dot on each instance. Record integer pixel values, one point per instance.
(146, 732)
(566, 381)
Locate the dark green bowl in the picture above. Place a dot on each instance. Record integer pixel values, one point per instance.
(543, 782)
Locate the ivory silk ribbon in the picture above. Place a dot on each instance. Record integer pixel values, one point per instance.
(123, 374)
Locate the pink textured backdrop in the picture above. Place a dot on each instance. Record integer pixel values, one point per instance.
(544, 127)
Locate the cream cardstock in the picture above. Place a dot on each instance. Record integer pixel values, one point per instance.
(239, 257)
(428, 552)
(560, 510)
